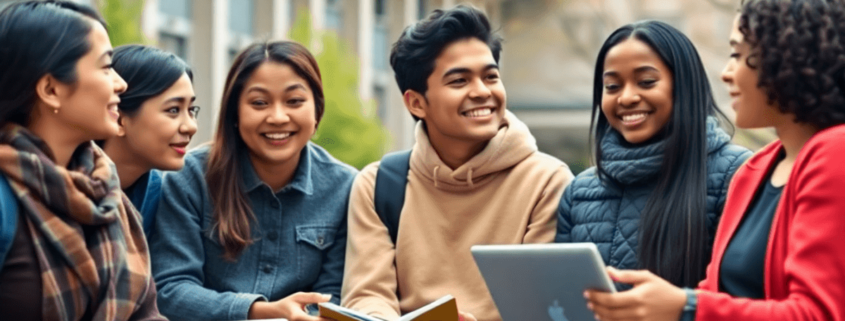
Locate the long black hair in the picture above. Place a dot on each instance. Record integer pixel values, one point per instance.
(673, 234)
(148, 72)
(39, 38)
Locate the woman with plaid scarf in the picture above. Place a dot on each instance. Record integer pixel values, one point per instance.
(76, 250)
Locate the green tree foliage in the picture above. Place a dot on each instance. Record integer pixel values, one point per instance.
(350, 129)
(124, 20)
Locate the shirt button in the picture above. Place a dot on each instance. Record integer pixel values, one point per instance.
(320, 240)
(272, 236)
(268, 269)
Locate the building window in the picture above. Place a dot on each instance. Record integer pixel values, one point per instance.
(241, 29)
(173, 43)
(174, 27)
(176, 8)
(240, 16)
(422, 9)
(380, 35)
(381, 102)
(381, 8)
(334, 16)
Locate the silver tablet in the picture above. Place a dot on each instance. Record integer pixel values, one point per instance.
(542, 281)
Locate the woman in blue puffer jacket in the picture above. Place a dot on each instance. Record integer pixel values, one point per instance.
(663, 163)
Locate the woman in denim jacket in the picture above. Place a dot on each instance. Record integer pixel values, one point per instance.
(254, 225)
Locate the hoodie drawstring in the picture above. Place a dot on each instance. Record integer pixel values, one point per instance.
(469, 178)
(435, 175)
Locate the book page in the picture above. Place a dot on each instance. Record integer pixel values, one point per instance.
(444, 309)
(335, 312)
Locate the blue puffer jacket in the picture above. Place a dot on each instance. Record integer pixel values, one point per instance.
(590, 211)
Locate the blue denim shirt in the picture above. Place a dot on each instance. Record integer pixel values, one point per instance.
(299, 239)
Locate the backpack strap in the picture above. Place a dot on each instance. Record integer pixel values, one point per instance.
(8, 218)
(391, 180)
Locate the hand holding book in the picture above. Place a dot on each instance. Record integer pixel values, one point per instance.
(443, 309)
(292, 307)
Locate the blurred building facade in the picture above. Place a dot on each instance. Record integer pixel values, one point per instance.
(547, 61)
(210, 33)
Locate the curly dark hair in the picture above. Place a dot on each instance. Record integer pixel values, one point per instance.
(798, 49)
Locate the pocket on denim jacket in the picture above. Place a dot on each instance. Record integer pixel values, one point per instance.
(312, 242)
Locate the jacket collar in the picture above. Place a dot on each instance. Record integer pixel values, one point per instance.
(628, 164)
(301, 178)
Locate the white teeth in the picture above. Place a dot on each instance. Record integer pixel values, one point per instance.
(479, 112)
(277, 135)
(634, 117)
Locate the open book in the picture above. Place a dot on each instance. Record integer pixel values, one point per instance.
(444, 309)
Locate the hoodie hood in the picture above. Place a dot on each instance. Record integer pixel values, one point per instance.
(512, 144)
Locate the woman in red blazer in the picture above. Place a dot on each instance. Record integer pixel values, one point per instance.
(779, 252)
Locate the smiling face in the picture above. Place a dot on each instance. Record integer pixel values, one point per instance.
(276, 114)
(89, 106)
(465, 100)
(637, 94)
(752, 107)
(159, 132)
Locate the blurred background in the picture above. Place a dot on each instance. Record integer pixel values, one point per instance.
(547, 61)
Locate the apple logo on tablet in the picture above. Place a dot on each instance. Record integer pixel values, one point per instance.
(556, 312)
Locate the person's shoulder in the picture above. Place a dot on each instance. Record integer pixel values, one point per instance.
(198, 157)
(832, 136)
(326, 165)
(732, 150)
(542, 162)
(824, 146)
(587, 178)
(192, 171)
(728, 158)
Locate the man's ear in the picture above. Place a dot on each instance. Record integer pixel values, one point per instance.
(415, 103)
(121, 126)
(49, 91)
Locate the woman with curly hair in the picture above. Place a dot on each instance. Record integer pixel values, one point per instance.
(778, 253)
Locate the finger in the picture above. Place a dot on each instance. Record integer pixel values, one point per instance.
(466, 316)
(304, 298)
(611, 300)
(297, 315)
(613, 314)
(629, 276)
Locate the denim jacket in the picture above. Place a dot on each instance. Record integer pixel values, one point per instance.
(299, 236)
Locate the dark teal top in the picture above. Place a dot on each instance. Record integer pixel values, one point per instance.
(741, 274)
(145, 194)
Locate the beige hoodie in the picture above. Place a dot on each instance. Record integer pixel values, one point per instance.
(507, 194)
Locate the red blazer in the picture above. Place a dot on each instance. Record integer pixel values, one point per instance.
(804, 276)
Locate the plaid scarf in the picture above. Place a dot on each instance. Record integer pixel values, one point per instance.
(88, 239)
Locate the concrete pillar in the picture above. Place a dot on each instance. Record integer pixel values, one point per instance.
(271, 19)
(281, 19)
(208, 50)
(405, 129)
(366, 27)
(149, 20)
(318, 14)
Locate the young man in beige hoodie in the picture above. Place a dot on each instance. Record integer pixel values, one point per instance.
(475, 177)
